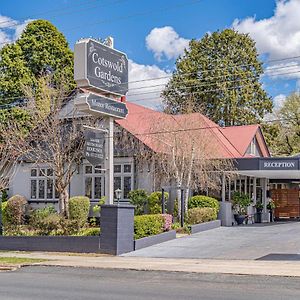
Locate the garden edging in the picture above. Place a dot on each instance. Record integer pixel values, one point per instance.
(205, 226)
(78, 244)
(154, 239)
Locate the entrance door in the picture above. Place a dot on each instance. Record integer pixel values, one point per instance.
(287, 203)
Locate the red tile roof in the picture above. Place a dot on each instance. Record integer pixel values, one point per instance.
(155, 128)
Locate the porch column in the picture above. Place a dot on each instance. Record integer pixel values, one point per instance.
(223, 187)
(235, 184)
(254, 190)
(240, 185)
(245, 187)
(264, 194)
(229, 190)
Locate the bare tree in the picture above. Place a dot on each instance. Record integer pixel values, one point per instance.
(184, 149)
(56, 139)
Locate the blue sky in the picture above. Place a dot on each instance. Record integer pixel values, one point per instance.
(153, 33)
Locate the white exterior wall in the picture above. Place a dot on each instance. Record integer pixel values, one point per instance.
(20, 183)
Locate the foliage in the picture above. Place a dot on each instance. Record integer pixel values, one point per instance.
(147, 225)
(45, 220)
(204, 201)
(271, 205)
(219, 76)
(139, 199)
(240, 202)
(259, 205)
(89, 232)
(97, 207)
(15, 210)
(200, 215)
(154, 202)
(284, 132)
(4, 196)
(168, 220)
(4, 213)
(79, 208)
(41, 49)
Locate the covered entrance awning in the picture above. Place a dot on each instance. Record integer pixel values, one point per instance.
(274, 170)
(271, 167)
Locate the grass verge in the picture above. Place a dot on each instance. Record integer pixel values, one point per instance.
(19, 260)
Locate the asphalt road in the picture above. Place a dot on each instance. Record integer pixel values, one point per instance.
(83, 283)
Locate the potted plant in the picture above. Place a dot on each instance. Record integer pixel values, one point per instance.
(271, 206)
(259, 208)
(240, 202)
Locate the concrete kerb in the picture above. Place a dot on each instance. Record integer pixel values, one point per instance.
(237, 267)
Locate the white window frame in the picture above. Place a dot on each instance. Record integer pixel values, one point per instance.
(42, 177)
(121, 174)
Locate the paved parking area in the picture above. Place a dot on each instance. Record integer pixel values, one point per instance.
(240, 242)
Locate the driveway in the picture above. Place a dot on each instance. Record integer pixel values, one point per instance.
(277, 241)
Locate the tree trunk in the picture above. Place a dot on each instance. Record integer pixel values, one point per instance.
(179, 203)
(64, 202)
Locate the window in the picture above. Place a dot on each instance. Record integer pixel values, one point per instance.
(42, 185)
(95, 180)
(253, 148)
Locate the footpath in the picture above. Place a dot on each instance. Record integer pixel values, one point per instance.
(242, 267)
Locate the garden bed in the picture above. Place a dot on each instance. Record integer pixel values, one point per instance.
(154, 239)
(78, 244)
(205, 226)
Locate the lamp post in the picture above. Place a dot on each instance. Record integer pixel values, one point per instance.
(118, 193)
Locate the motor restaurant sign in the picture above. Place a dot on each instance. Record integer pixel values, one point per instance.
(100, 67)
(279, 164)
(99, 105)
(94, 147)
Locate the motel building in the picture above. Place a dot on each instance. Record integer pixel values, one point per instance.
(257, 173)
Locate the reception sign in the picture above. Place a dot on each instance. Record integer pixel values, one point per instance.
(100, 67)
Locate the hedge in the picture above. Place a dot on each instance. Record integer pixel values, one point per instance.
(79, 208)
(204, 201)
(200, 215)
(147, 225)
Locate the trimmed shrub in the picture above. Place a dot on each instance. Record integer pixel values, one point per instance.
(204, 201)
(168, 220)
(154, 202)
(79, 208)
(200, 215)
(15, 210)
(147, 225)
(139, 199)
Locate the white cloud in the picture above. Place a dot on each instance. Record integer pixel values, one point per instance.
(10, 29)
(165, 42)
(279, 35)
(278, 101)
(287, 70)
(143, 90)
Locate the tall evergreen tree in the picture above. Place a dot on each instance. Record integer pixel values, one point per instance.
(41, 49)
(219, 75)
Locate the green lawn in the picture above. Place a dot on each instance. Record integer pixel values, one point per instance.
(19, 260)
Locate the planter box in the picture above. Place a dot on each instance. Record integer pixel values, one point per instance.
(79, 244)
(154, 239)
(205, 226)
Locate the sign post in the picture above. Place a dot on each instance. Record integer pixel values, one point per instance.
(104, 70)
